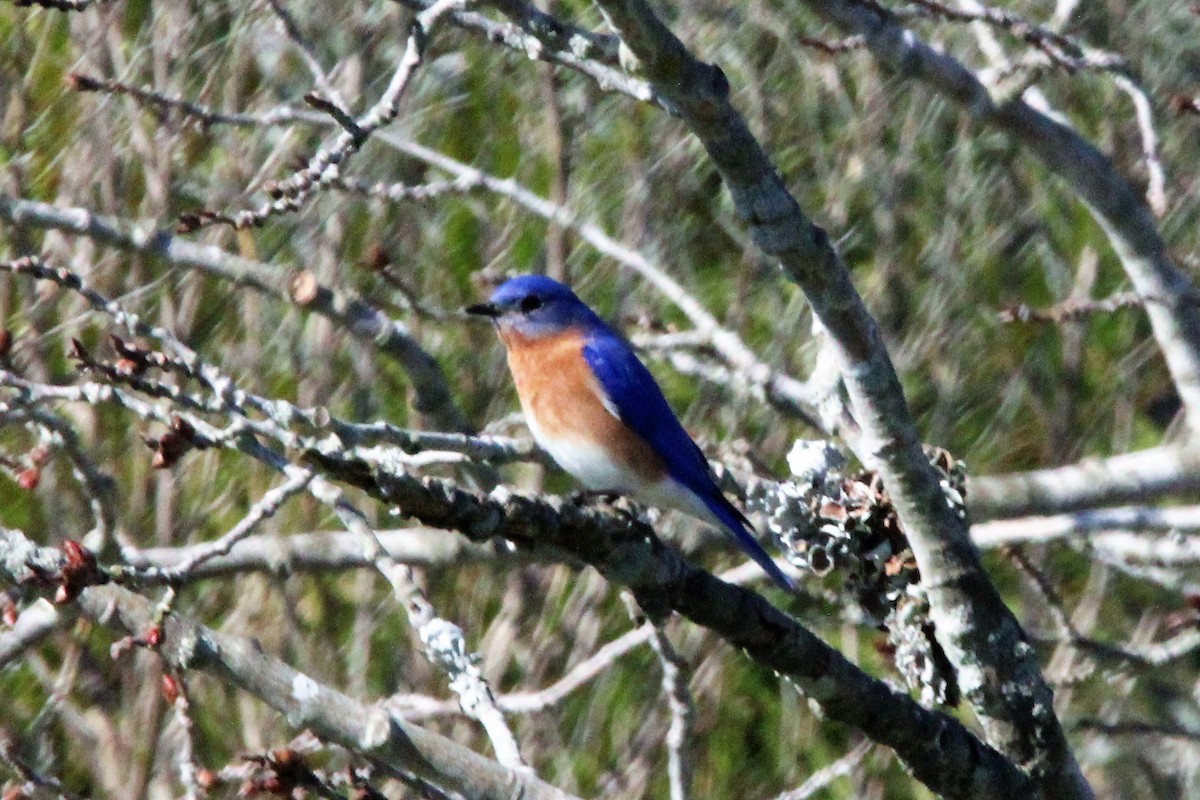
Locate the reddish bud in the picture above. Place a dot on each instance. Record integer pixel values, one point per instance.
(182, 427)
(171, 446)
(207, 780)
(152, 637)
(170, 688)
(77, 555)
(79, 572)
(167, 451)
(364, 791)
(6, 341)
(120, 647)
(29, 479)
(1183, 104)
(82, 83)
(304, 287)
(127, 367)
(268, 785)
(188, 223)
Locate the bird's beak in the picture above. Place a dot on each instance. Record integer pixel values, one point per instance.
(483, 310)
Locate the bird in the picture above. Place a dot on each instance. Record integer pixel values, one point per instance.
(596, 409)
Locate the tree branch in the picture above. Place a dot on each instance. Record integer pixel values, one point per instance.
(939, 749)
(369, 731)
(1088, 522)
(326, 164)
(997, 670)
(323, 552)
(1138, 477)
(431, 393)
(1117, 206)
(627, 552)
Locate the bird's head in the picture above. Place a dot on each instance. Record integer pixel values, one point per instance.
(532, 306)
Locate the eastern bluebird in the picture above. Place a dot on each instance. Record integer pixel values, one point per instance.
(597, 410)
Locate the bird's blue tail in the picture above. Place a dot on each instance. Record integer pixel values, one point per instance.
(739, 529)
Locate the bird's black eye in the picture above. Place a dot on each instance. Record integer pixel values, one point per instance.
(530, 303)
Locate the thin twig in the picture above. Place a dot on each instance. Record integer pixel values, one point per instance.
(432, 395)
(1076, 308)
(97, 486)
(265, 508)
(833, 47)
(187, 109)
(182, 707)
(1151, 655)
(33, 625)
(679, 701)
(753, 375)
(392, 744)
(307, 52)
(326, 165)
(1156, 191)
(31, 776)
(1094, 523)
(1155, 729)
(826, 775)
(1061, 49)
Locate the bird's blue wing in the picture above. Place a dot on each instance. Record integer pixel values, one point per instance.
(640, 404)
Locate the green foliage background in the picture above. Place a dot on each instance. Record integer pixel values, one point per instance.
(944, 225)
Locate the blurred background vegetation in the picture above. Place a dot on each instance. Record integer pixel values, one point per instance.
(944, 224)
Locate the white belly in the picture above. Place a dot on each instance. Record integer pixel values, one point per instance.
(590, 465)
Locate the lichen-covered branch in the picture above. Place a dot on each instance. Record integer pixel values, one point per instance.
(627, 552)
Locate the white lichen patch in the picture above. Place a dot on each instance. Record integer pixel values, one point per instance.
(809, 460)
(377, 729)
(304, 688)
(185, 651)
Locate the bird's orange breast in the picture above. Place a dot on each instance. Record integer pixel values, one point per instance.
(562, 397)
